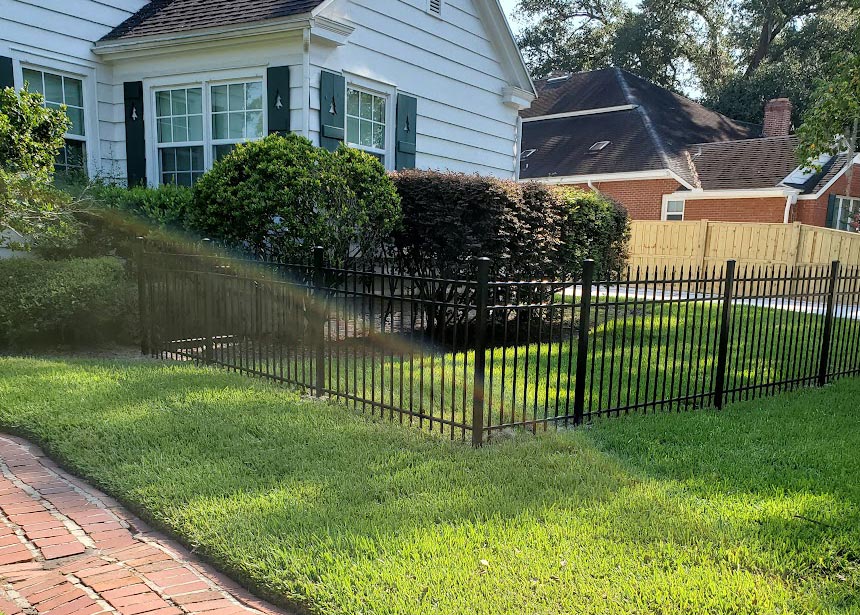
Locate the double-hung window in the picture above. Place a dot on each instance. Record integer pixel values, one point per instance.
(365, 121)
(59, 90)
(200, 124)
(847, 210)
(675, 210)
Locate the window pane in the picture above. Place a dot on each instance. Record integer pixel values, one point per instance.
(77, 117)
(237, 125)
(34, 80)
(379, 136)
(196, 158)
(177, 99)
(180, 129)
(378, 109)
(352, 130)
(74, 92)
(183, 159)
(675, 217)
(219, 98)
(53, 88)
(162, 104)
(254, 124)
(222, 150)
(165, 130)
(195, 128)
(168, 159)
(237, 97)
(365, 110)
(366, 133)
(352, 102)
(675, 206)
(195, 100)
(254, 95)
(219, 126)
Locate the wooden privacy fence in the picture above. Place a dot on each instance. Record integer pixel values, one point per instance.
(705, 244)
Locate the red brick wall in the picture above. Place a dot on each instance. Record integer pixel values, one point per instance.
(815, 211)
(642, 198)
(770, 209)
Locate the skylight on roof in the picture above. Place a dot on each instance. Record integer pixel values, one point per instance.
(558, 79)
(598, 146)
(527, 153)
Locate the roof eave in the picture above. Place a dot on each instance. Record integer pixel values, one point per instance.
(111, 47)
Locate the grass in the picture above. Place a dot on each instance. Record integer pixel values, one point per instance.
(752, 510)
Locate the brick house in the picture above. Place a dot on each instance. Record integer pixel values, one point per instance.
(665, 157)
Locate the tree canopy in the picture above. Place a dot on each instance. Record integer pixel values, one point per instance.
(732, 54)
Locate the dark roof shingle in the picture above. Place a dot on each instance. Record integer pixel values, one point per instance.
(753, 163)
(173, 16)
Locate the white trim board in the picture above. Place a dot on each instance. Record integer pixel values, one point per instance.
(558, 116)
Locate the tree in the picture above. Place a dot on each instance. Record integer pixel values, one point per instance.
(832, 123)
(31, 136)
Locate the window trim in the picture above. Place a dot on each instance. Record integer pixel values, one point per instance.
(840, 199)
(86, 75)
(385, 90)
(191, 80)
(366, 148)
(665, 210)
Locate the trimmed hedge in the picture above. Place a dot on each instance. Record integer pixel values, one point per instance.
(78, 302)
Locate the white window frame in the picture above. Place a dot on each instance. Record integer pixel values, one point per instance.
(86, 74)
(853, 205)
(383, 90)
(204, 81)
(665, 213)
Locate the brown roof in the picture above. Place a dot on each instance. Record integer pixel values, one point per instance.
(668, 123)
(752, 163)
(172, 16)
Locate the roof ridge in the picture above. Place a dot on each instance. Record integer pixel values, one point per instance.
(646, 119)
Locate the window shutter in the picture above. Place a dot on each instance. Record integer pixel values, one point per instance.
(278, 84)
(832, 222)
(135, 141)
(7, 77)
(407, 112)
(332, 110)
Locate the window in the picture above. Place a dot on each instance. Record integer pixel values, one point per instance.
(598, 146)
(847, 210)
(60, 90)
(674, 210)
(365, 122)
(200, 124)
(179, 123)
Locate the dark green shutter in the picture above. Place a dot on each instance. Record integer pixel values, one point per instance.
(332, 110)
(7, 77)
(278, 85)
(135, 141)
(407, 119)
(832, 222)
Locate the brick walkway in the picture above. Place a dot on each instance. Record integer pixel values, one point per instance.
(66, 549)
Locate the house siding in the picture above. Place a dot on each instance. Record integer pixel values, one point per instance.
(450, 64)
(59, 35)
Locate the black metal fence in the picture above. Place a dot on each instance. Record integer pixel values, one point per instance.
(472, 357)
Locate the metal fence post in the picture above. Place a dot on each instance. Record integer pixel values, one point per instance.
(206, 279)
(142, 296)
(827, 336)
(317, 315)
(725, 323)
(582, 341)
(478, 391)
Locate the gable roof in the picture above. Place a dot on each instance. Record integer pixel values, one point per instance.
(173, 16)
(671, 123)
(752, 163)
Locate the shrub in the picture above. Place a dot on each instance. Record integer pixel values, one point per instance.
(76, 302)
(594, 226)
(281, 196)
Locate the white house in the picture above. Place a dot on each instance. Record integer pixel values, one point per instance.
(158, 90)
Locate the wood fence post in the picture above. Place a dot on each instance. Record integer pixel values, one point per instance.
(478, 390)
(704, 232)
(725, 323)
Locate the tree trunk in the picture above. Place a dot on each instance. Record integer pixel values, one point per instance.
(769, 30)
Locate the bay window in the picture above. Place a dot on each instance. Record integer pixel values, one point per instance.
(200, 124)
(59, 90)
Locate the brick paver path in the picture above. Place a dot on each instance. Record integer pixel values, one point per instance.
(66, 549)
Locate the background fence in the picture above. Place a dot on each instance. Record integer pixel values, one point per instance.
(472, 357)
(703, 244)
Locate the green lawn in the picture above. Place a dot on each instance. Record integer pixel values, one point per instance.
(752, 510)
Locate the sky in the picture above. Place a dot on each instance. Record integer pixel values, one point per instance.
(509, 5)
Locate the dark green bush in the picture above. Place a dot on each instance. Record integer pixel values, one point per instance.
(529, 230)
(77, 302)
(281, 196)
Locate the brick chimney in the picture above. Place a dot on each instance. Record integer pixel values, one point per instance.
(777, 118)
